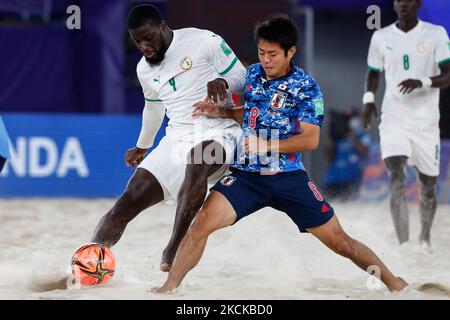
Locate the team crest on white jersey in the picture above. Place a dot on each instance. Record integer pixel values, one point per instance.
(227, 181)
(278, 100)
(422, 47)
(186, 63)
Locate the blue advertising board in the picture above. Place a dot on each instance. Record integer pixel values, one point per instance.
(68, 155)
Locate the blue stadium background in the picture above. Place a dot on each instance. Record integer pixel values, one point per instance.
(71, 101)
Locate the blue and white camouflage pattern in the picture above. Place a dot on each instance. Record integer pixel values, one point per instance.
(273, 110)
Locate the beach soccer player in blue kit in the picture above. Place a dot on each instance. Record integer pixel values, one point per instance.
(281, 118)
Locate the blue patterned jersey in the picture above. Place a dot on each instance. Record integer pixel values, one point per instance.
(273, 110)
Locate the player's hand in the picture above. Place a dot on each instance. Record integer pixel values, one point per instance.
(206, 108)
(407, 86)
(370, 110)
(134, 156)
(217, 88)
(253, 144)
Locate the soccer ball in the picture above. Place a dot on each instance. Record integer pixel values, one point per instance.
(93, 264)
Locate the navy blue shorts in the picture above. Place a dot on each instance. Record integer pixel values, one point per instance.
(290, 192)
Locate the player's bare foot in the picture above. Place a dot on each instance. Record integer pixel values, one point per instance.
(166, 288)
(167, 259)
(425, 247)
(398, 285)
(163, 290)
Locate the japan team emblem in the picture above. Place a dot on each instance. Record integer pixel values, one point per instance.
(186, 63)
(227, 181)
(278, 100)
(282, 86)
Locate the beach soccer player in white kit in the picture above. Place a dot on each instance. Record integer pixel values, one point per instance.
(415, 58)
(178, 68)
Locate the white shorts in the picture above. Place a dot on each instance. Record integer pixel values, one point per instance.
(168, 161)
(422, 147)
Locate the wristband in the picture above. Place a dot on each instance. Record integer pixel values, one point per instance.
(426, 82)
(368, 97)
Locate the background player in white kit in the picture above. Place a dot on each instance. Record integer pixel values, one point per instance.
(415, 56)
(179, 68)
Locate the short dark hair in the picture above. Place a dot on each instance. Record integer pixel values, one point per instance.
(278, 28)
(144, 14)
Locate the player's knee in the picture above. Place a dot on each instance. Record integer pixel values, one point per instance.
(397, 175)
(428, 190)
(398, 181)
(191, 200)
(203, 224)
(126, 203)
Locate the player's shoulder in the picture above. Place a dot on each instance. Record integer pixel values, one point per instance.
(435, 28)
(142, 67)
(194, 34)
(300, 78)
(254, 71)
(254, 68)
(382, 32)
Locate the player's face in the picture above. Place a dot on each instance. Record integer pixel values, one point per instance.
(273, 59)
(406, 9)
(150, 42)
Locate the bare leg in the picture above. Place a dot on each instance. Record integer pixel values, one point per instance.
(192, 194)
(428, 205)
(217, 213)
(142, 191)
(333, 236)
(399, 210)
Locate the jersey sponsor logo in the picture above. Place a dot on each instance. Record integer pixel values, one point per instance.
(316, 191)
(186, 63)
(278, 99)
(422, 47)
(227, 181)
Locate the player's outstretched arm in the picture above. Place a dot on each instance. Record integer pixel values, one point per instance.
(441, 81)
(134, 156)
(371, 86)
(152, 115)
(209, 109)
(306, 141)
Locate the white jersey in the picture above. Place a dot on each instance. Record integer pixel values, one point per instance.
(409, 55)
(193, 58)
